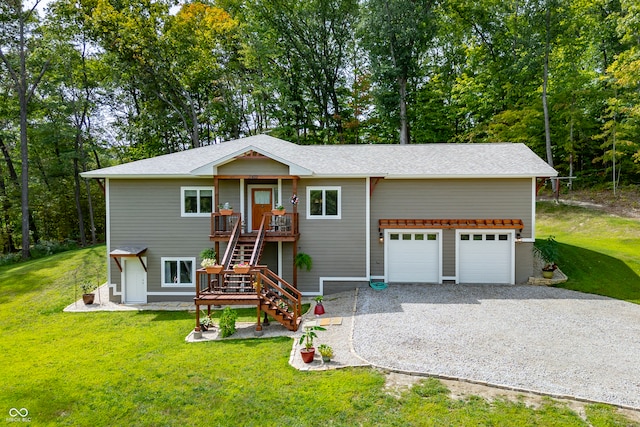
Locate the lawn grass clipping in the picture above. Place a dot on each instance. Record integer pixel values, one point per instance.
(135, 369)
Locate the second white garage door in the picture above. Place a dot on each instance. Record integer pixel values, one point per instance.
(413, 256)
(485, 257)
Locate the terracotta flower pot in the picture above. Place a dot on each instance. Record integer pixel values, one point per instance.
(307, 354)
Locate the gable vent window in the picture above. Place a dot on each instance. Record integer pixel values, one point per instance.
(196, 201)
(324, 202)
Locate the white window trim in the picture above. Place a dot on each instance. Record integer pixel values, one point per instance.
(197, 214)
(178, 285)
(324, 216)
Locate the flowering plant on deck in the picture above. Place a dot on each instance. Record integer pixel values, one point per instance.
(209, 262)
(208, 256)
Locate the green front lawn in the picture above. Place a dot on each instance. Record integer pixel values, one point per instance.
(599, 253)
(134, 369)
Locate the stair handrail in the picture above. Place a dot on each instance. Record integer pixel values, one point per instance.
(233, 240)
(293, 295)
(257, 247)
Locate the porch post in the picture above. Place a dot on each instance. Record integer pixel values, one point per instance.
(216, 198)
(295, 243)
(258, 282)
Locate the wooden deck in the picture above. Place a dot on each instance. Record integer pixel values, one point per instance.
(240, 298)
(279, 228)
(260, 287)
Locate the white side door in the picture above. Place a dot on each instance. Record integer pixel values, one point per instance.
(134, 281)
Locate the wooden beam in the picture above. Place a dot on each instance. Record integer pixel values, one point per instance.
(257, 177)
(372, 186)
(499, 224)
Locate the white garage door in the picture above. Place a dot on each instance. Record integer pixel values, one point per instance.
(485, 257)
(413, 256)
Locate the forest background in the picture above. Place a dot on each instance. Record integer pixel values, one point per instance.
(91, 83)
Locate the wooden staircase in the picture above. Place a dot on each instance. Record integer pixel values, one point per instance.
(279, 299)
(273, 295)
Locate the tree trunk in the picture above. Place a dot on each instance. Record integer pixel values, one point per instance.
(24, 156)
(545, 106)
(76, 193)
(25, 91)
(404, 126)
(9, 246)
(94, 240)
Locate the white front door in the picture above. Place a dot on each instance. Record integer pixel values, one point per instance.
(134, 281)
(413, 256)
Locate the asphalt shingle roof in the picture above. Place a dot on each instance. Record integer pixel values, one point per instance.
(391, 161)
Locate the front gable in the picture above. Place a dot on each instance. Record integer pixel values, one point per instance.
(251, 161)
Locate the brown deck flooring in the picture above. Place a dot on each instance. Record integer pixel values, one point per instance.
(243, 298)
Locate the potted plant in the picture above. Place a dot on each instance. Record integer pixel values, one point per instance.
(307, 337)
(241, 268)
(87, 293)
(319, 308)
(209, 262)
(547, 250)
(326, 352)
(278, 210)
(303, 260)
(283, 306)
(206, 322)
(225, 209)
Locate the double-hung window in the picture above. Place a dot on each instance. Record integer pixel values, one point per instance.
(196, 201)
(324, 202)
(178, 272)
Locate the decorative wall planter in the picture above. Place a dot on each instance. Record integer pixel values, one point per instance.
(216, 269)
(241, 269)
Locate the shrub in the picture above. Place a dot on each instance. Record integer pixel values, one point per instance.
(11, 258)
(228, 322)
(49, 247)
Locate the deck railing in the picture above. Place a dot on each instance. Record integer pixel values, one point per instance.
(233, 240)
(268, 281)
(259, 245)
(282, 225)
(285, 225)
(223, 225)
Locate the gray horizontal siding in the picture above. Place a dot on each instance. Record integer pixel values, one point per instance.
(449, 199)
(147, 213)
(524, 262)
(337, 246)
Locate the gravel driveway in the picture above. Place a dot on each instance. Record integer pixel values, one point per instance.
(547, 340)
